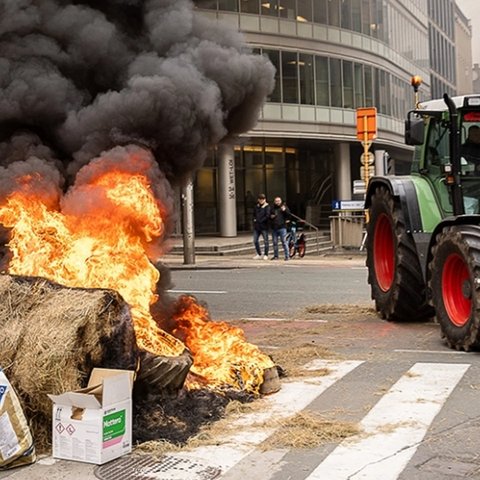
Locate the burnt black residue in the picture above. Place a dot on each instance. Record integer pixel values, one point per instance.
(176, 419)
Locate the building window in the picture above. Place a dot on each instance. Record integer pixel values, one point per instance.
(270, 8)
(321, 81)
(274, 57)
(346, 10)
(304, 10)
(250, 6)
(290, 77)
(384, 92)
(335, 82)
(366, 21)
(286, 9)
(368, 76)
(376, 88)
(356, 15)
(320, 11)
(358, 84)
(275, 171)
(205, 200)
(334, 12)
(210, 4)
(347, 84)
(228, 5)
(307, 84)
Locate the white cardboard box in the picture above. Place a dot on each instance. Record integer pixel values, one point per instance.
(94, 424)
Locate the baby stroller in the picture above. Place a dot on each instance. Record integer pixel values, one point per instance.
(296, 243)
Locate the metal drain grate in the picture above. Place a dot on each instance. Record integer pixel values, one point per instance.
(146, 467)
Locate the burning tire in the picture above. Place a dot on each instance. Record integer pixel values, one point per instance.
(394, 272)
(454, 274)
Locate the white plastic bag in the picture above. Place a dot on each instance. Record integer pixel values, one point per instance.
(16, 443)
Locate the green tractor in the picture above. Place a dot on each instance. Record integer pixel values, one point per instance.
(423, 233)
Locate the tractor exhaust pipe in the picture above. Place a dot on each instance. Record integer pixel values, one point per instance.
(457, 194)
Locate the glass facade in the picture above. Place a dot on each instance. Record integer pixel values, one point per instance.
(353, 71)
(312, 80)
(362, 16)
(336, 82)
(442, 47)
(407, 36)
(301, 174)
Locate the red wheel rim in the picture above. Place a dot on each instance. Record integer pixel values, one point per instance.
(383, 252)
(454, 276)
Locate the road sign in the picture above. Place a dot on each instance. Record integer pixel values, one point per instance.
(359, 187)
(348, 205)
(363, 172)
(366, 124)
(370, 158)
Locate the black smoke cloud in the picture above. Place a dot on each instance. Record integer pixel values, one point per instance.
(78, 78)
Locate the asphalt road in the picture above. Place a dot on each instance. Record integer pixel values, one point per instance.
(426, 396)
(233, 289)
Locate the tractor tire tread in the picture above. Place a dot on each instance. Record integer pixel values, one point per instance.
(467, 239)
(406, 299)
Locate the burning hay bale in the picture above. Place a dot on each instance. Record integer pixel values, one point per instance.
(53, 336)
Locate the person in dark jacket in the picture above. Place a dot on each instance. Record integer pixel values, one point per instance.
(261, 220)
(470, 150)
(279, 217)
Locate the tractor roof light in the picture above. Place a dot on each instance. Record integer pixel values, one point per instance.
(471, 101)
(416, 81)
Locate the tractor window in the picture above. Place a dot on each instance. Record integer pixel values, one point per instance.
(470, 145)
(470, 160)
(438, 154)
(438, 147)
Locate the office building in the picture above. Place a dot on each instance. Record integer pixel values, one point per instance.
(331, 57)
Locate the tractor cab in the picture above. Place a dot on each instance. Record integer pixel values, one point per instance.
(446, 134)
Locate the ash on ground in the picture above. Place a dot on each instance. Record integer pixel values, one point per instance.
(177, 419)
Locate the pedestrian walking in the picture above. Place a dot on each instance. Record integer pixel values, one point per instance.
(261, 220)
(279, 216)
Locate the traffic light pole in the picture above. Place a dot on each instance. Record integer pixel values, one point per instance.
(366, 133)
(366, 165)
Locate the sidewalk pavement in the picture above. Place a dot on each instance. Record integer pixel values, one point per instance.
(176, 262)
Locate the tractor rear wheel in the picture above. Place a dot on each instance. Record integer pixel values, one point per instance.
(394, 271)
(454, 278)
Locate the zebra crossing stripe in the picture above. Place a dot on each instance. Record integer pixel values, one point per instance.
(291, 399)
(395, 426)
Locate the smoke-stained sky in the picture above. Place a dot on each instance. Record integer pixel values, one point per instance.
(80, 77)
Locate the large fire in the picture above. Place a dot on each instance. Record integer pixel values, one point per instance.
(97, 236)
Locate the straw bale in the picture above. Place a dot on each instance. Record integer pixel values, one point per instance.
(52, 337)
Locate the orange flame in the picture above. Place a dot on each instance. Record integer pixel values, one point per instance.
(102, 249)
(98, 239)
(221, 353)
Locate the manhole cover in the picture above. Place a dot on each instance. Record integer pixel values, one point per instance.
(146, 467)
